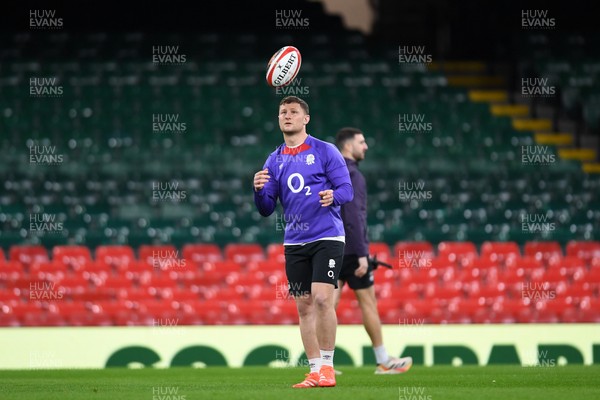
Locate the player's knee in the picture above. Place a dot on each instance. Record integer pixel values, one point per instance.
(323, 301)
(305, 307)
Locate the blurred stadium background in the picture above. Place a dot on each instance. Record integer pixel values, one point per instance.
(126, 193)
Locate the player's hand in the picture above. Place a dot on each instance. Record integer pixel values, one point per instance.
(260, 178)
(363, 267)
(326, 197)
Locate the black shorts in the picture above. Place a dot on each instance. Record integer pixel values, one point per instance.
(349, 265)
(318, 261)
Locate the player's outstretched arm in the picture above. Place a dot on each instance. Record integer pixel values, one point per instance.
(265, 192)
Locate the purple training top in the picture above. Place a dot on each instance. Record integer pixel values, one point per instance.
(297, 175)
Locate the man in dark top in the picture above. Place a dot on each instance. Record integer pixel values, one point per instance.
(355, 267)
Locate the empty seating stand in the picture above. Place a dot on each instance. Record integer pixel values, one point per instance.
(453, 282)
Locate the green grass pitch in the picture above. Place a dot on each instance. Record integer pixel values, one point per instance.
(420, 383)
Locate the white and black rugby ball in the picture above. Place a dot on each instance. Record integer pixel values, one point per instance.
(283, 66)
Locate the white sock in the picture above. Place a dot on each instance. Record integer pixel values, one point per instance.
(381, 354)
(315, 364)
(327, 357)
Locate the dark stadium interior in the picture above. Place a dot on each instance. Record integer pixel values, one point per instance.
(216, 260)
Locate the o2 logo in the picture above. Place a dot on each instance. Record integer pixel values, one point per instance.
(294, 189)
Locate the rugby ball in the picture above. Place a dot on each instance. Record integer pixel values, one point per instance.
(283, 66)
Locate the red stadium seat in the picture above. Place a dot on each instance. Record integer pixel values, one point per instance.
(254, 278)
(511, 310)
(25, 308)
(9, 320)
(215, 278)
(66, 308)
(10, 270)
(73, 284)
(267, 293)
(593, 277)
(230, 294)
(589, 310)
(385, 275)
(267, 265)
(158, 310)
(570, 263)
(276, 252)
(283, 312)
(74, 256)
(8, 297)
(491, 293)
(248, 312)
(199, 253)
(93, 295)
(115, 255)
(114, 282)
(455, 251)
(526, 263)
(417, 280)
(244, 253)
(28, 254)
(381, 250)
(584, 250)
(554, 276)
(50, 267)
(578, 291)
(515, 280)
(115, 308)
(2, 256)
(500, 250)
(44, 319)
(468, 310)
(210, 312)
(557, 305)
(479, 263)
(223, 266)
(543, 250)
(419, 309)
(444, 292)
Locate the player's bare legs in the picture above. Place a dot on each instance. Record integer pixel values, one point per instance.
(308, 326)
(323, 298)
(368, 307)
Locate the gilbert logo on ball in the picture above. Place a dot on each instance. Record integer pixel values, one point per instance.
(283, 66)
